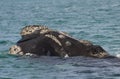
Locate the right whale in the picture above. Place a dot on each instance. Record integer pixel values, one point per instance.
(40, 40)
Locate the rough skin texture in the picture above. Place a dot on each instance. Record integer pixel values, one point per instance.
(40, 40)
(32, 29)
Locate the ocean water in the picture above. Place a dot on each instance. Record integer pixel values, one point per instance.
(94, 20)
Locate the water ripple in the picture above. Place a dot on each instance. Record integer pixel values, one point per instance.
(93, 20)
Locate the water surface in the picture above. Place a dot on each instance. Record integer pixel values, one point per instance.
(94, 20)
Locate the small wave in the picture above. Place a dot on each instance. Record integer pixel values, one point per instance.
(6, 55)
(3, 42)
(4, 78)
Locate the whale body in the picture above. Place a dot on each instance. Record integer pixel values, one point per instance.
(40, 40)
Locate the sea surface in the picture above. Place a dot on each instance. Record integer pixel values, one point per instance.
(94, 20)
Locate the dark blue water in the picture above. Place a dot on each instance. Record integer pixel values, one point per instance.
(94, 20)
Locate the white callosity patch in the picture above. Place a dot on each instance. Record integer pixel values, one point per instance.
(68, 43)
(54, 38)
(28, 30)
(66, 56)
(63, 53)
(32, 29)
(29, 54)
(61, 36)
(63, 33)
(100, 54)
(42, 27)
(118, 55)
(86, 42)
(43, 31)
(16, 50)
(66, 35)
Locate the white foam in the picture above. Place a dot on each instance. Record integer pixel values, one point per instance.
(66, 56)
(118, 55)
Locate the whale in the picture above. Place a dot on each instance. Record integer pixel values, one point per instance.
(42, 41)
